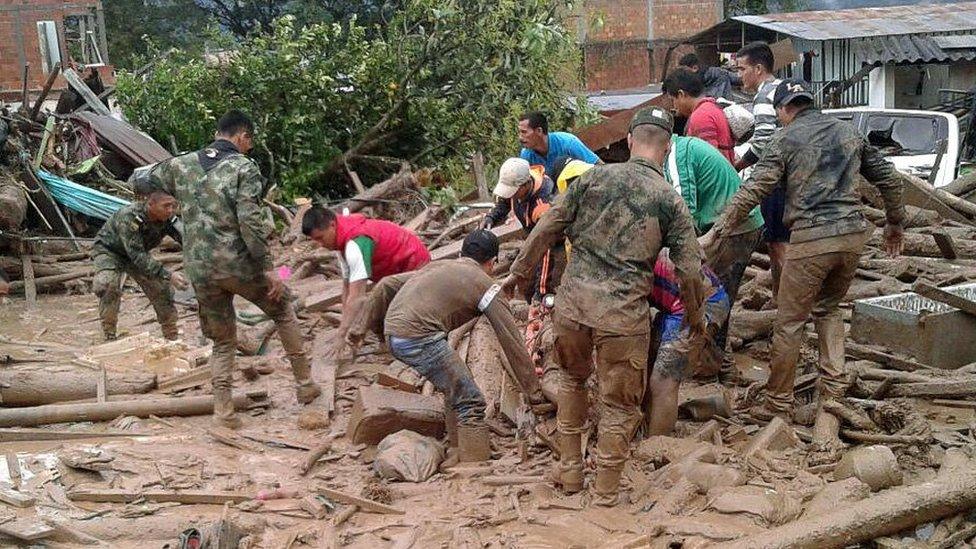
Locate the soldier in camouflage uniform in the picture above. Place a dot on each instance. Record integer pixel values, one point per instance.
(817, 157)
(122, 246)
(618, 217)
(226, 252)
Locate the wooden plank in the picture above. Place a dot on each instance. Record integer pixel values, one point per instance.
(101, 386)
(14, 497)
(189, 497)
(234, 440)
(275, 441)
(30, 288)
(13, 467)
(864, 352)
(319, 302)
(941, 389)
(362, 503)
(33, 435)
(356, 182)
(969, 404)
(87, 94)
(947, 246)
(51, 78)
(942, 296)
(26, 529)
(45, 137)
(387, 380)
(505, 233)
(194, 378)
(324, 368)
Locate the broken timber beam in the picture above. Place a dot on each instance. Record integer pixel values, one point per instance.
(33, 435)
(402, 181)
(938, 294)
(936, 389)
(888, 512)
(505, 233)
(33, 388)
(201, 497)
(363, 503)
(946, 245)
(86, 93)
(105, 411)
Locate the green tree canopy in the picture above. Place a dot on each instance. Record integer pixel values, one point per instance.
(443, 78)
(133, 27)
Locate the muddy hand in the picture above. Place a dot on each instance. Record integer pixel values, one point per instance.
(276, 288)
(894, 236)
(179, 281)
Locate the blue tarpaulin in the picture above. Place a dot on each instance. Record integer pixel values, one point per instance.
(80, 198)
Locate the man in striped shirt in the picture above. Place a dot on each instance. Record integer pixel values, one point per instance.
(754, 63)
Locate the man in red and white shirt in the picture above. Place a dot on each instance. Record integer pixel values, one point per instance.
(706, 120)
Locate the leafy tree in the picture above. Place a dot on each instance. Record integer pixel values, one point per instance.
(442, 79)
(243, 17)
(760, 7)
(132, 24)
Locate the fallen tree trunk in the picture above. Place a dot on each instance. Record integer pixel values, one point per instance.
(402, 181)
(924, 245)
(104, 411)
(886, 513)
(751, 325)
(46, 282)
(936, 389)
(31, 388)
(962, 186)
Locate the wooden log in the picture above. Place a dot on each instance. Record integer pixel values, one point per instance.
(751, 325)
(194, 378)
(344, 515)
(920, 193)
(14, 497)
(51, 78)
(937, 389)
(30, 288)
(189, 497)
(886, 513)
(511, 480)
(881, 438)
(46, 282)
(942, 296)
(34, 435)
(404, 180)
(378, 412)
(923, 245)
(35, 387)
(362, 503)
(865, 352)
(105, 411)
(315, 454)
(324, 368)
(962, 185)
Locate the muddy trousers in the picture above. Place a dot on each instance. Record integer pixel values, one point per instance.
(437, 362)
(621, 361)
(814, 284)
(219, 323)
(729, 264)
(107, 286)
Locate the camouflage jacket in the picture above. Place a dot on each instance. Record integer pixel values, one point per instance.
(618, 217)
(226, 227)
(817, 157)
(129, 235)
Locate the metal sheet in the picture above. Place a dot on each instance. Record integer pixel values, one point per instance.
(603, 134)
(907, 49)
(134, 146)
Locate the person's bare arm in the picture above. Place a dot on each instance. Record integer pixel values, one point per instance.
(371, 311)
(513, 345)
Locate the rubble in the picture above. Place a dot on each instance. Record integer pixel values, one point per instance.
(378, 412)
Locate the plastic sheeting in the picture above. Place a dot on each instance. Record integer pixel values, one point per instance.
(80, 198)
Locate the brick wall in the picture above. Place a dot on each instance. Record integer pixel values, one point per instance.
(620, 53)
(19, 41)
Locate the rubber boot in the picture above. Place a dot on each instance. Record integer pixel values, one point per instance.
(224, 414)
(473, 443)
(571, 415)
(307, 390)
(171, 332)
(606, 491)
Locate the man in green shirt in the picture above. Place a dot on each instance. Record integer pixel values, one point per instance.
(707, 181)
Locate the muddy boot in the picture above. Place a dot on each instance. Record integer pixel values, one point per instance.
(450, 425)
(606, 490)
(171, 332)
(224, 414)
(473, 443)
(571, 415)
(109, 336)
(306, 390)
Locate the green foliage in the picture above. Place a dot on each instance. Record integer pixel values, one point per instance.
(167, 24)
(442, 79)
(760, 7)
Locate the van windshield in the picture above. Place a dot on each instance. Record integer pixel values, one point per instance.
(905, 135)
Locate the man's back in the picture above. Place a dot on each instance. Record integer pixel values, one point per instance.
(226, 227)
(622, 214)
(129, 223)
(560, 144)
(438, 298)
(821, 156)
(709, 124)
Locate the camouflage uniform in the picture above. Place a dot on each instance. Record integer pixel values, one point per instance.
(122, 246)
(617, 217)
(817, 157)
(226, 253)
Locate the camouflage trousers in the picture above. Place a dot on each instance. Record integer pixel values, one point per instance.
(218, 321)
(621, 361)
(107, 286)
(815, 284)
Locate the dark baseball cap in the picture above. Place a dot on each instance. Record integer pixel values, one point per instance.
(791, 90)
(656, 116)
(480, 245)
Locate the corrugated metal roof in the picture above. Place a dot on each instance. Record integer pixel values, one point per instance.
(907, 49)
(865, 22)
(955, 41)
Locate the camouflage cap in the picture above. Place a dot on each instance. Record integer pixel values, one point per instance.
(653, 115)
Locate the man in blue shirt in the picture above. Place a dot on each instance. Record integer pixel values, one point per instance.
(540, 147)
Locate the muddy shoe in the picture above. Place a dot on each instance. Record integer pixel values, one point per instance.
(249, 373)
(606, 489)
(568, 478)
(265, 368)
(307, 392)
(473, 443)
(109, 336)
(232, 422)
(763, 413)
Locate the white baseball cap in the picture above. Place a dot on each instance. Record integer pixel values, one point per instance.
(513, 174)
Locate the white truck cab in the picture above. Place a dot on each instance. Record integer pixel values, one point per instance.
(911, 140)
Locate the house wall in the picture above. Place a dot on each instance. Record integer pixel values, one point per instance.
(626, 42)
(19, 41)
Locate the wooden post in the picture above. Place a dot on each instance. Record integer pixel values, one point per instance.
(23, 105)
(942, 296)
(51, 78)
(478, 167)
(75, 81)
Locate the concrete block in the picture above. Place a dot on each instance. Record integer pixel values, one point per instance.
(379, 411)
(777, 435)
